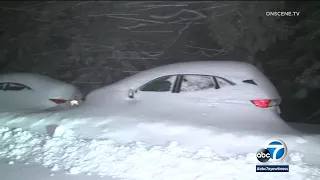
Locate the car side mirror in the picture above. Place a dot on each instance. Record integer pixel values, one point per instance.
(131, 93)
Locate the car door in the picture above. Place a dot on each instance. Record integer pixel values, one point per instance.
(16, 96)
(197, 98)
(155, 99)
(203, 99)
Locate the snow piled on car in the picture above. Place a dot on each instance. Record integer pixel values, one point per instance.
(63, 151)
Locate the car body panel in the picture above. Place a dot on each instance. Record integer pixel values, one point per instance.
(212, 106)
(42, 89)
(232, 70)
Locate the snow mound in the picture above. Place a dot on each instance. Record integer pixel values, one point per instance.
(137, 160)
(86, 124)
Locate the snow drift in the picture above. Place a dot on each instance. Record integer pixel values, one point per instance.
(137, 160)
(82, 141)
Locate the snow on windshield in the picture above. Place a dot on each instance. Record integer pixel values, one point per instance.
(196, 83)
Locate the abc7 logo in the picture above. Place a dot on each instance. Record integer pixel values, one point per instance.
(275, 150)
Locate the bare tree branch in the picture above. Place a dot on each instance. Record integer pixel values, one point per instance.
(225, 13)
(159, 6)
(152, 31)
(190, 52)
(212, 54)
(187, 23)
(77, 4)
(145, 42)
(96, 50)
(149, 54)
(176, 38)
(217, 50)
(213, 7)
(199, 15)
(127, 71)
(97, 45)
(196, 2)
(191, 20)
(135, 19)
(129, 57)
(167, 5)
(176, 22)
(39, 4)
(25, 9)
(19, 9)
(100, 15)
(132, 27)
(132, 3)
(153, 54)
(180, 32)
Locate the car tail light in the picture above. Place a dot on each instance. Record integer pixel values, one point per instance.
(58, 101)
(265, 103)
(262, 103)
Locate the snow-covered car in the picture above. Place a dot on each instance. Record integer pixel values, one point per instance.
(204, 91)
(27, 91)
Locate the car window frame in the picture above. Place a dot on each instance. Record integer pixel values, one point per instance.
(217, 86)
(224, 79)
(181, 78)
(7, 86)
(178, 81)
(149, 82)
(4, 87)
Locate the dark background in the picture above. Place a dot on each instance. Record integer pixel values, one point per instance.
(95, 43)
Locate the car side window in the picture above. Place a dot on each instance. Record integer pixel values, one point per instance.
(223, 82)
(2, 86)
(197, 83)
(162, 84)
(16, 87)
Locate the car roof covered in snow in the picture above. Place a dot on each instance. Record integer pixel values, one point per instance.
(227, 69)
(207, 67)
(204, 67)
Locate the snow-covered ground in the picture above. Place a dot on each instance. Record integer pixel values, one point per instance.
(132, 149)
(13, 170)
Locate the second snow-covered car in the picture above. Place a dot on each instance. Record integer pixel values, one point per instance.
(26, 91)
(209, 92)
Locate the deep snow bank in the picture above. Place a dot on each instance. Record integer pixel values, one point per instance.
(87, 125)
(137, 160)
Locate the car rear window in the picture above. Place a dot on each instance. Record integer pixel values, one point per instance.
(250, 81)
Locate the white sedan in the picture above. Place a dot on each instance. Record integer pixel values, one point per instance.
(25, 91)
(208, 92)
